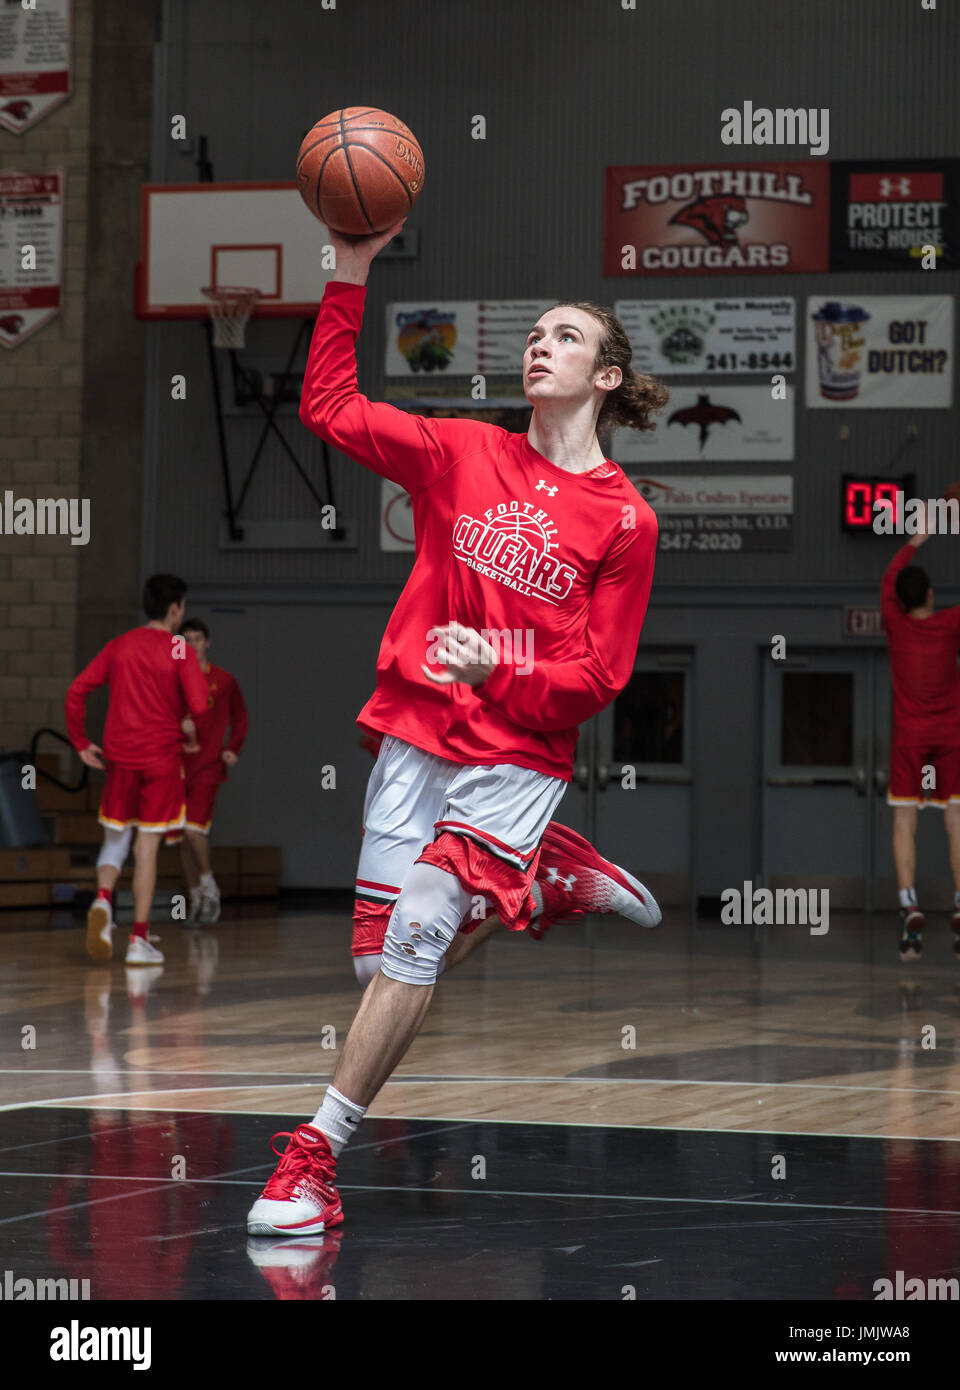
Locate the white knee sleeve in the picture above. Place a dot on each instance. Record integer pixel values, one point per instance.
(424, 922)
(116, 847)
(365, 967)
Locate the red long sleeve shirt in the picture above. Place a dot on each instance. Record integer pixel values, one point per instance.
(923, 664)
(507, 543)
(225, 708)
(154, 679)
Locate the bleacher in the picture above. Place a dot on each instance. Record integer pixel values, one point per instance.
(64, 870)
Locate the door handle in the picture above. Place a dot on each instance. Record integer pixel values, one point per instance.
(881, 779)
(856, 779)
(581, 774)
(603, 776)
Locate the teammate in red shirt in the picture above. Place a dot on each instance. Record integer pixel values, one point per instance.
(519, 621)
(205, 763)
(154, 679)
(925, 738)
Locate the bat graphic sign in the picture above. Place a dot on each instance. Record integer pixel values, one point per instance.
(742, 423)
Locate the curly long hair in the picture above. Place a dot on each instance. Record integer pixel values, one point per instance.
(638, 396)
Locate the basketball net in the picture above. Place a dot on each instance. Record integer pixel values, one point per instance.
(230, 308)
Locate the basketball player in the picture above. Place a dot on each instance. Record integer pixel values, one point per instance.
(534, 538)
(925, 738)
(205, 764)
(153, 678)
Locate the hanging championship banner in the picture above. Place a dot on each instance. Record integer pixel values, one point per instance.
(34, 61)
(437, 351)
(710, 336)
(711, 219)
(697, 514)
(883, 212)
(31, 253)
(712, 422)
(876, 352)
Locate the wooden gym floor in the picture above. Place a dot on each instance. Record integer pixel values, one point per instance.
(695, 1112)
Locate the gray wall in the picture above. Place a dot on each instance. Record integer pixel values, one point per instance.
(567, 88)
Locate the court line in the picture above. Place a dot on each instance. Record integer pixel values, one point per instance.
(159, 1184)
(433, 1079)
(473, 1191)
(118, 1098)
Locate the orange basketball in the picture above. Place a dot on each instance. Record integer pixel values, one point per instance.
(360, 170)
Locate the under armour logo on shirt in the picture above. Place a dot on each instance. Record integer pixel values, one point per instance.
(544, 486)
(566, 882)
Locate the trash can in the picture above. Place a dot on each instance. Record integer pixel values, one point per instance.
(20, 823)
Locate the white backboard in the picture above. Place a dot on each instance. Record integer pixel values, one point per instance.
(260, 235)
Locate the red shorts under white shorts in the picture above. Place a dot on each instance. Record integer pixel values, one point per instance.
(482, 824)
(151, 798)
(923, 774)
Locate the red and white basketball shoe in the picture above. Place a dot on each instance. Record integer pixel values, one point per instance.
(575, 879)
(300, 1198)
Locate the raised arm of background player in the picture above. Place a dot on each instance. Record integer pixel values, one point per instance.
(890, 606)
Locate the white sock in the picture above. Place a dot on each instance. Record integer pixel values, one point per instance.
(338, 1119)
(195, 893)
(537, 894)
(207, 881)
(908, 897)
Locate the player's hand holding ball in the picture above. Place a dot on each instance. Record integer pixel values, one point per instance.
(360, 171)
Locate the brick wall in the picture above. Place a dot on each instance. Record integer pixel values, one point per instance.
(41, 430)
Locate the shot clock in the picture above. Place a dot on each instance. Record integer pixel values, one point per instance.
(859, 492)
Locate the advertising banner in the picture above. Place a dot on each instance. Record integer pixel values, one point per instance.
(713, 422)
(717, 219)
(874, 352)
(710, 336)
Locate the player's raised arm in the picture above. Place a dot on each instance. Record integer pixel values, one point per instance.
(405, 448)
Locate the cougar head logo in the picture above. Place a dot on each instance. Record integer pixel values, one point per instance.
(717, 219)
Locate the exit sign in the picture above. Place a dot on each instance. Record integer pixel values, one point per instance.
(862, 622)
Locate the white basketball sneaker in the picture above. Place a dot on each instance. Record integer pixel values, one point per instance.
(100, 930)
(210, 906)
(140, 952)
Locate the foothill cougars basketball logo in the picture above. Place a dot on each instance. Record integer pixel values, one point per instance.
(717, 219)
(512, 543)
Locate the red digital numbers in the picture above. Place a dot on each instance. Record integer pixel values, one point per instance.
(858, 504)
(859, 498)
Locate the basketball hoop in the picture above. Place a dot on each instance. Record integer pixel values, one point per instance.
(230, 308)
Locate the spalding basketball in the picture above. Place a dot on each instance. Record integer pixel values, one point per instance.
(360, 170)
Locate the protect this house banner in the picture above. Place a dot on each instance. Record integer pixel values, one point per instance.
(884, 212)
